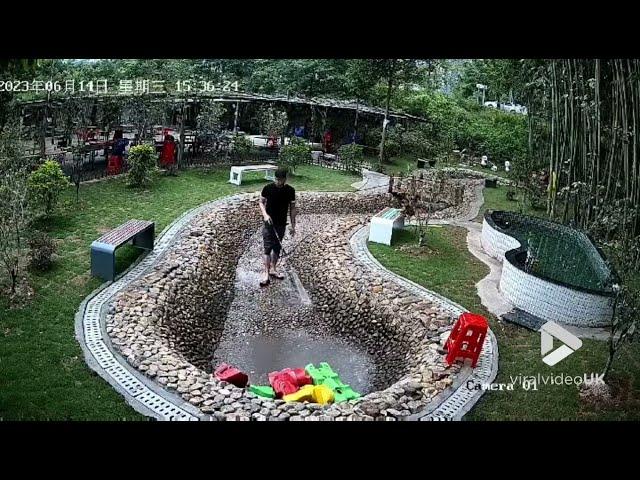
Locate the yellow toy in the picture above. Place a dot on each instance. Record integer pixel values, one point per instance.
(322, 394)
(304, 394)
(311, 393)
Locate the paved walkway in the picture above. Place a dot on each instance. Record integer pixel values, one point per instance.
(372, 182)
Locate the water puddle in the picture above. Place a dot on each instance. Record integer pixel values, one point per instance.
(257, 355)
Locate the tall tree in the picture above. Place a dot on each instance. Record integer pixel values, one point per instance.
(504, 78)
(361, 76)
(394, 72)
(13, 69)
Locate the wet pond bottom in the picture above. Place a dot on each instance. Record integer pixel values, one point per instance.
(258, 355)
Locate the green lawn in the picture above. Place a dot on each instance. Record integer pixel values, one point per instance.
(42, 370)
(447, 267)
(496, 199)
(403, 164)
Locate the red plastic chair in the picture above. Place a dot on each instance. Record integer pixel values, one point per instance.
(467, 338)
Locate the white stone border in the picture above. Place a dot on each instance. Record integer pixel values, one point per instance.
(454, 403)
(496, 243)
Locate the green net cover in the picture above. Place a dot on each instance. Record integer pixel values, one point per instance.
(555, 251)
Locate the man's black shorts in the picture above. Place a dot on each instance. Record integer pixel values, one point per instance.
(269, 238)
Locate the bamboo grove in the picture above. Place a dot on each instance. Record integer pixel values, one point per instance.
(584, 128)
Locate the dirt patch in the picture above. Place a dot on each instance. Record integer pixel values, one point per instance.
(622, 396)
(8, 332)
(74, 239)
(417, 251)
(23, 295)
(80, 280)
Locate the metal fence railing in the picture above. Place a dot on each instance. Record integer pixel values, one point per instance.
(93, 165)
(86, 167)
(333, 162)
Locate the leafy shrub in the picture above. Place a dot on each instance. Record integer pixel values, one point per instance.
(142, 164)
(418, 141)
(294, 154)
(391, 148)
(446, 120)
(41, 250)
(272, 121)
(397, 135)
(208, 119)
(351, 156)
(46, 184)
(242, 146)
(377, 166)
(452, 123)
(501, 136)
(372, 136)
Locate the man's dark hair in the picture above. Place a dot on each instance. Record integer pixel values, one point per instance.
(282, 172)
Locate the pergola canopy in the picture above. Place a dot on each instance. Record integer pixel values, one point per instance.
(233, 97)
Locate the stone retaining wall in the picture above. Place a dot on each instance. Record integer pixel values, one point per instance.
(167, 323)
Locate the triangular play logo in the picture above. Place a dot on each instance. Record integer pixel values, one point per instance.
(548, 332)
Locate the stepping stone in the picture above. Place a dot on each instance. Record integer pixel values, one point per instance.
(524, 319)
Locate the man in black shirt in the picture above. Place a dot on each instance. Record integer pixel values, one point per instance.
(274, 205)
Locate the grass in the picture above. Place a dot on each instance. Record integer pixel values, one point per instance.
(401, 164)
(447, 270)
(496, 199)
(447, 267)
(43, 375)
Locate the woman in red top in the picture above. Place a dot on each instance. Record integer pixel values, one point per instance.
(118, 146)
(328, 141)
(168, 154)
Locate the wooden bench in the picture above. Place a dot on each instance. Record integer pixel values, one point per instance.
(235, 176)
(103, 250)
(384, 223)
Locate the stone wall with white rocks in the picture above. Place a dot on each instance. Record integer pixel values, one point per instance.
(455, 198)
(450, 194)
(552, 302)
(167, 323)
